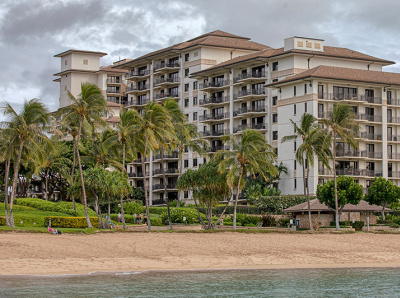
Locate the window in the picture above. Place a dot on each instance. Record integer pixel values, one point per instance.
(305, 163)
(305, 88)
(194, 116)
(274, 118)
(295, 146)
(195, 85)
(195, 102)
(276, 151)
(274, 100)
(65, 62)
(274, 80)
(294, 91)
(187, 116)
(85, 62)
(186, 194)
(186, 87)
(344, 92)
(295, 183)
(187, 57)
(389, 97)
(275, 135)
(294, 109)
(186, 163)
(305, 107)
(295, 165)
(195, 162)
(274, 66)
(186, 102)
(186, 72)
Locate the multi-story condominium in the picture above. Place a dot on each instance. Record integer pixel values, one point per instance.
(78, 67)
(226, 83)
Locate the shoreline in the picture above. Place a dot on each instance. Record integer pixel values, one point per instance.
(28, 254)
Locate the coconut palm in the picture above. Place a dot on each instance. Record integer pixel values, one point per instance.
(314, 143)
(25, 130)
(253, 155)
(340, 123)
(88, 108)
(124, 135)
(155, 129)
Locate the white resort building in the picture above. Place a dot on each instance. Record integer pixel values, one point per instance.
(226, 83)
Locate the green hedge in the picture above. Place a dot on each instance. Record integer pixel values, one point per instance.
(276, 204)
(346, 223)
(131, 208)
(70, 222)
(358, 225)
(177, 215)
(2, 220)
(63, 207)
(246, 219)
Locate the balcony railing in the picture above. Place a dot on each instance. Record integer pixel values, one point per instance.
(173, 155)
(393, 119)
(351, 153)
(167, 65)
(167, 171)
(166, 80)
(166, 95)
(243, 93)
(113, 90)
(113, 80)
(259, 126)
(392, 138)
(394, 174)
(216, 148)
(349, 96)
(137, 88)
(161, 186)
(371, 136)
(213, 117)
(250, 75)
(140, 73)
(240, 128)
(217, 84)
(137, 102)
(351, 172)
(216, 100)
(251, 109)
(374, 155)
(393, 102)
(393, 155)
(213, 133)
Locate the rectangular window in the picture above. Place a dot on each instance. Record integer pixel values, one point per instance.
(186, 194)
(186, 102)
(274, 100)
(195, 102)
(344, 92)
(294, 91)
(186, 87)
(275, 118)
(294, 109)
(65, 61)
(295, 165)
(186, 72)
(187, 57)
(305, 88)
(195, 85)
(305, 107)
(274, 80)
(274, 66)
(195, 162)
(186, 163)
(194, 116)
(295, 183)
(275, 135)
(389, 97)
(295, 145)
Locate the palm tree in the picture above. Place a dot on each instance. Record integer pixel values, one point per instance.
(88, 108)
(155, 129)
(314, 143)
(25, 130)
(340, 123)
(124, 136)
(253, 155)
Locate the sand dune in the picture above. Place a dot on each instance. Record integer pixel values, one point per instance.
(41, 254)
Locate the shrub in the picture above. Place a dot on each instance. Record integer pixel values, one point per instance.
(276, 204)
(246, 219)
(268, 221)
(344, 223)
(393, 225)
(161, 210)
(2, 220)
(155, 221)
(358, 225)
(131, 208)
(69, 222)
(383, 222)
(177, 215)
(284, 222)
(174, 202)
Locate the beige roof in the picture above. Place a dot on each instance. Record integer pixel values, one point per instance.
(315, 205)
(216, 38)
(110, 68)
(80, 51)
(347, 74)
(114, 119)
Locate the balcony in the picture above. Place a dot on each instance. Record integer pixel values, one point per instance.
(160, 187)
(350, 97)
(393, 155)
(209, 86)
(240, 128)
(250, 77)
(351, 153)
(394, 174)
(113, 81)
(137, 88)
(213, 101)
(173, 155)
(369, 118)
(161, 96)
(351, 172)
(392, 138)
(139, 160)
(213, 133)
(213, 118)
(170, 171)
(214, 149)
(259, 126)
(393, 120)
(141, 102)
(371, 136)
(137, 74)
(167, 66)
(248, 94)
(137, 175)
(249, 110)
(393, 102)
(166, 82)
(374, 155)
(113, 90)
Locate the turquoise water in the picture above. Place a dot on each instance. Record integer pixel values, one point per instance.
(355, 282)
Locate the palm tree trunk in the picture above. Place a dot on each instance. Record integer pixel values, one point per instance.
(121, 196)
(180, 174)
(166, 188)
(334, 177)
(108, 211)
(308, 197)
(7, 174)
(46, 185)
(146, 196)
(73, 170)
(14, 182)
(237, 198)
(78, 157)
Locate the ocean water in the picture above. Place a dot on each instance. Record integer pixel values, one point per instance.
(354, 282)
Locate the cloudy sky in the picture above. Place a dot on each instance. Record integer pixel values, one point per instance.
(32, 31)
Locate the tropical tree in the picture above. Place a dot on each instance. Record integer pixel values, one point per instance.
(314, 143)
(25, 130)
(340, 124)
(383, 192)
(154, 129)
(253, 155)
(347, 190)
(88, 108)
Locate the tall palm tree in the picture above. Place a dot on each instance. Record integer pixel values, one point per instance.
(253, 155)
(314, 143)
(88, 108)
(26, 130)
(340, 123)
(124, 135)
(155, 129)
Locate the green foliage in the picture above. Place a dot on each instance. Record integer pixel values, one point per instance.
(64, 207)
(343, 223)
(2, 220)
(174, 202)
(348, 192)
(284, 222)
(131, 208)
(383, 193)
(358, 225)
(268, 221)
(177, 215)
(394, 225)
(246, 219)
(69, 222)
(256, 188)
(384, 222)
(275, 205)
(137, 194)
(155, 221)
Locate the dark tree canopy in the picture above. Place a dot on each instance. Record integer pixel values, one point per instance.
(383, 193)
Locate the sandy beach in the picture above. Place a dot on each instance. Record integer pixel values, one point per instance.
(42, 254)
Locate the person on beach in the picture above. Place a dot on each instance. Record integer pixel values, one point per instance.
(49, 229)
(119, 217)
(140, 218)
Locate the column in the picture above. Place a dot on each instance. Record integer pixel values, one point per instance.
(384, 135)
